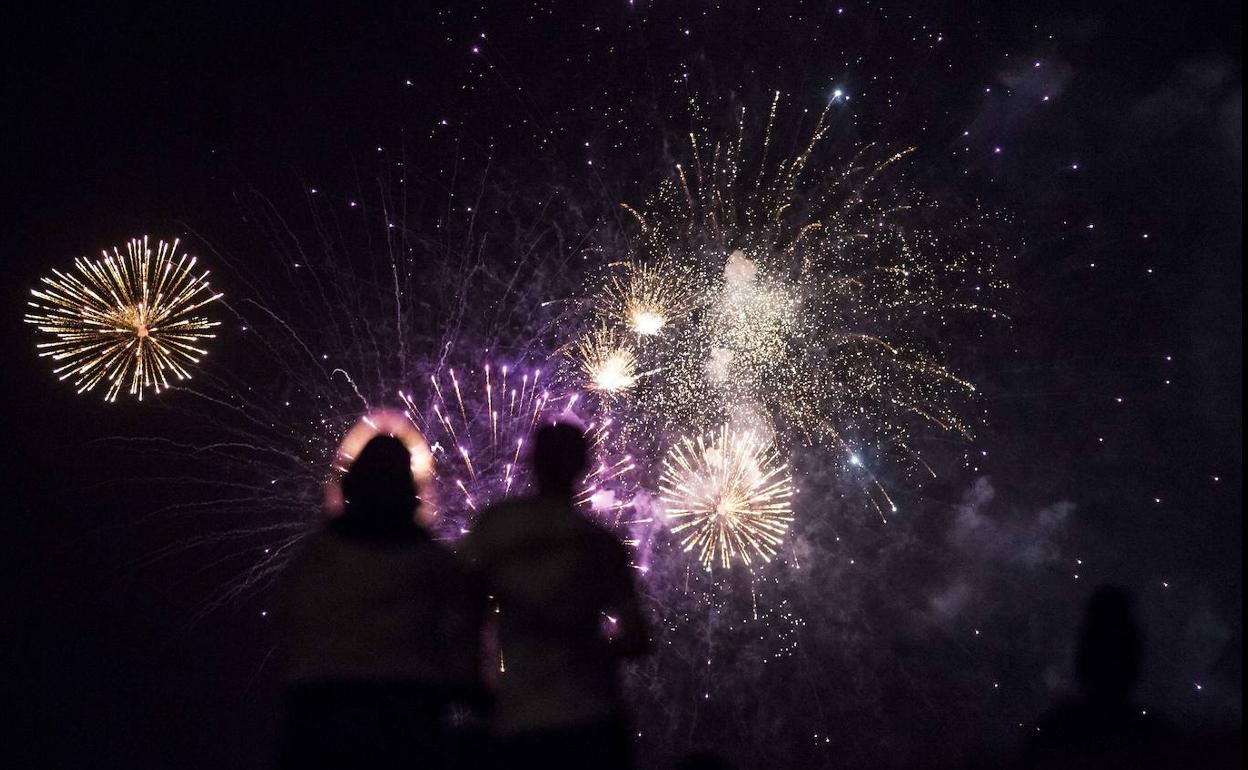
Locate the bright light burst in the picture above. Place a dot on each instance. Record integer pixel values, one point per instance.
(646, 298)
(125, 319)
(609, 363)
(728, 496)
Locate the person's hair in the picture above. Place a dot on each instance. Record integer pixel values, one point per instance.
(379, 492)
(560, 456)
(1110, 646)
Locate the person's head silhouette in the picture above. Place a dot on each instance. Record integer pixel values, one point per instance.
(379, 491)
(560, 457)
(1108, 658)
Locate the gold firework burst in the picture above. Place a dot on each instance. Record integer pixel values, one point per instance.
(729, 496)
(647, 298)
(609, 363)
(125, 319)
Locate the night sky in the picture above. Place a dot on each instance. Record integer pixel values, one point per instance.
(1107, 137)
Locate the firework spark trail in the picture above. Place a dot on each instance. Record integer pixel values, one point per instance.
(125, 319)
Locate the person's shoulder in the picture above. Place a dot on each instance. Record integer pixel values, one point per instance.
(428, 546)
(310, 552)
(601, 537)
(327, 540)
(314, 541)
(490, 526)
(500, 511)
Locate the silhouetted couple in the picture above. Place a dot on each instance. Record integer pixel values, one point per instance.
(390, 640)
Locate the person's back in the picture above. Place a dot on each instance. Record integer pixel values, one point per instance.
(568, 613)
(367, 610)
(555, 575)
(379, 629)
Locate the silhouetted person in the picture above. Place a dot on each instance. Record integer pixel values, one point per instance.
(379, 629)
(568, 613)
(1102, 727)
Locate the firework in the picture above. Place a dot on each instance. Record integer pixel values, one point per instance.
(481, 425)
(647, 298)
(824, 295)
(729, 497)
(609, 364)
(127, 320)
